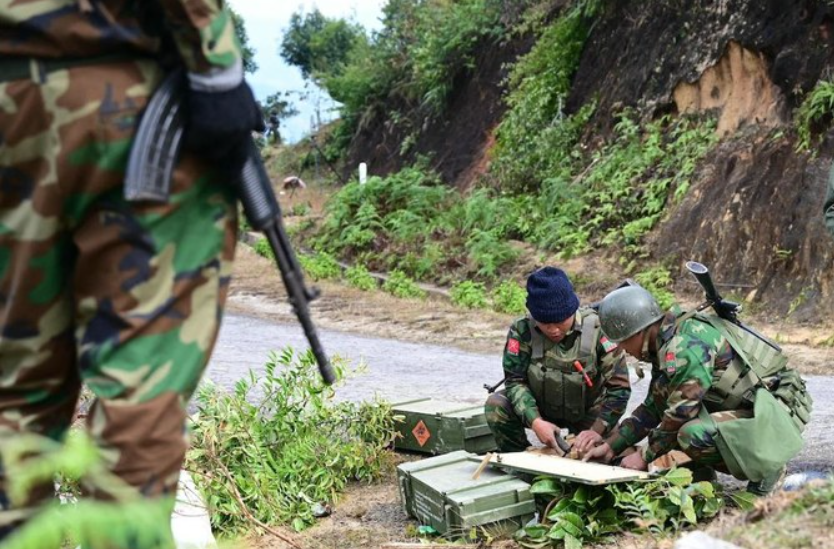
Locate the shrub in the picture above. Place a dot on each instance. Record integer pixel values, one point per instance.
(657, 280)
(282, 446)
(814, 114)
(262, 248)
(509, 297)
(399, 285)
(320, 266)
(468, 294)
(359, 277)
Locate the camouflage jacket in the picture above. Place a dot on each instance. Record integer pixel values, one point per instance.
(829, 203)
(611, 391)
(690, 357)
(202, 30)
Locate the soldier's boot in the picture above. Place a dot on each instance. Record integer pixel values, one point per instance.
(768, 484)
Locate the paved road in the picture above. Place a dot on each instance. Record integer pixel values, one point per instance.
(400, 371)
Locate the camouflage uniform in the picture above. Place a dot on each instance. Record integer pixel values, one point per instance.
(125, 297)
(690, 357)
(508, 412)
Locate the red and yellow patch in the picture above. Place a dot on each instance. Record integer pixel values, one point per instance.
(513, 346)
(607, 344)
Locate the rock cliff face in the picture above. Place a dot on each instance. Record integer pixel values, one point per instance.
(753, 213)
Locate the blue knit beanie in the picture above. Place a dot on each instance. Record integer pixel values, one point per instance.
(550, 295)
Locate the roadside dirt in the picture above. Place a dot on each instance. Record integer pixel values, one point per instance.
(257, 290)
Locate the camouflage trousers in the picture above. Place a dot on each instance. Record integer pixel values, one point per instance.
(697, 438)
(508, 428)
(124, 297)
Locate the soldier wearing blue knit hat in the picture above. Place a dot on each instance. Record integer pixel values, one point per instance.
(560, 371)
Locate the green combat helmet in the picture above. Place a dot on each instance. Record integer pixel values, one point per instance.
(626, 311)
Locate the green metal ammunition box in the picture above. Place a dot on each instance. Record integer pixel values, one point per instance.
(440, 492)
(439, 427)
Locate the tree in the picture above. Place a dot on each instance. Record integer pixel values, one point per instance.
(318, 45)
(249, 64)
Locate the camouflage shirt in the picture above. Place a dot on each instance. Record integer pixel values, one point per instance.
(202, 30)
(690, 357)
(611, 387)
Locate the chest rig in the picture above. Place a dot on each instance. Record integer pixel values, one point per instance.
(560, 390)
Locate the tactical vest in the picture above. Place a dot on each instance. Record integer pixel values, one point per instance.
(756, 365)
(559, 389)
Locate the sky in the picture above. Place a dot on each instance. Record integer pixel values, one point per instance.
(266, 21)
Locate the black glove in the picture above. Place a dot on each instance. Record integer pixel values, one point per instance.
(219, 125)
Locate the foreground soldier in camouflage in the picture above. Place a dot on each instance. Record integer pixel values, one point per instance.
(699, 381)
(544, 388)
(125, 297)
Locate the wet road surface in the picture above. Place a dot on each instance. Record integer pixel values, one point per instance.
(399, 371)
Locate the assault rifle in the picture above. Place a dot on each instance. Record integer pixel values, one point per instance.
(728, 310)
(151, 165)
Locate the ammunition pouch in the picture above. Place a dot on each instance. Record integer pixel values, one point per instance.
(753, 448)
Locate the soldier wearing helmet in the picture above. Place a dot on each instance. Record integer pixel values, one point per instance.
(560, 370)
(699, 381)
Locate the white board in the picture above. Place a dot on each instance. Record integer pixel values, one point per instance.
(567, 469)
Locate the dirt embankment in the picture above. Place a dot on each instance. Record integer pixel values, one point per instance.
(455, 143)
(753, 212)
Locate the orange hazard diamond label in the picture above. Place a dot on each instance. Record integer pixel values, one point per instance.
(421, 433)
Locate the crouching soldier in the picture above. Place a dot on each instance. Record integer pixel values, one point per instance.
(720, 393)
(560, 371)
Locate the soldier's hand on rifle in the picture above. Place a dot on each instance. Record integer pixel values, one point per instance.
(221, 113)
(602, 453)
(586, 440)
(545, 431)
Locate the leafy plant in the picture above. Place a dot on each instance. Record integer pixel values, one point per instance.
(471, 295)
(129, 520)
(262, 248)
(577, 514)
(657, 280)
(320, 266)
(359, 277)
(301, 209)
(279, 446)
(399, 285)
(509, 297)
(814, 114)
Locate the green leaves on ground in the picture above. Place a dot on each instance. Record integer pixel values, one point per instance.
(577, 514)
(129, 520)
(279, 445)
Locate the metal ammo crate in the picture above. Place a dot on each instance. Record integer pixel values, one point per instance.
(440, 492)
(439, 427)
